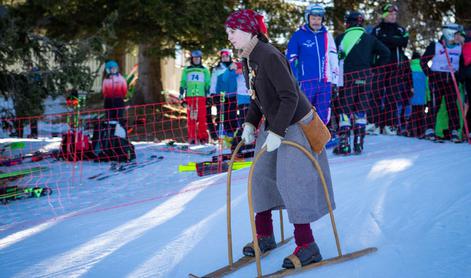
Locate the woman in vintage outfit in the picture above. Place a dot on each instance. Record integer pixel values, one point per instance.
(283, 177)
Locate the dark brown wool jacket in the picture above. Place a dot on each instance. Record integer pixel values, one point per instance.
(278, 97)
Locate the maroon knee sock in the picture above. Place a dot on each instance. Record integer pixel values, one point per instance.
(263, 223)
(303, 234)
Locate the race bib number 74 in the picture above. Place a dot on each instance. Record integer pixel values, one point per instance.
(195, 77)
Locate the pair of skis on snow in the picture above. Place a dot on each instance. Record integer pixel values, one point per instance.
(245, 261)
(172, 146)
(124, 168)
(33, 157)
(15, 192)
(232, 267)
(22, 172)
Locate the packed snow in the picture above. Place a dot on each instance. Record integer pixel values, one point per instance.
(409, 198)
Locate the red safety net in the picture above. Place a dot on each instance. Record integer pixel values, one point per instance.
(391, 100)
(398, 99)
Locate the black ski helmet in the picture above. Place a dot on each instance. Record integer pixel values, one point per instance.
(354, 18)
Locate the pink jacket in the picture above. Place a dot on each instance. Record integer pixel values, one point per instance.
(114, 87)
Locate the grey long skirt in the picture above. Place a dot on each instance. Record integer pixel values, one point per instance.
(286, 178)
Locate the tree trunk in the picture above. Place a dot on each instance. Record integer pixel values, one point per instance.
(119, 55)
(340, 8)
(149, 86)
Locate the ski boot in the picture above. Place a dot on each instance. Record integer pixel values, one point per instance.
(372, 129)
(430, 135)
(359, 135)
(389, 130)
(357, 148)
(303, 255)
(404, 130)
(114, 166)
(265, 244)
(455, 138)
(343, 147)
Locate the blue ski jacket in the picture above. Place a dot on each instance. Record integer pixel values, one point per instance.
(313, 55)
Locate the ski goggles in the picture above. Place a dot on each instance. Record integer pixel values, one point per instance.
(389, 8)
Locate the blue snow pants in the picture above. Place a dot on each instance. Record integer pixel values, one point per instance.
(318, 94)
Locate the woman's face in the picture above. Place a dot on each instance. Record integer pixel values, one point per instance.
(239, 39)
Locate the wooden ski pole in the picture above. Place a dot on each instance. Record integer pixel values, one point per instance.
(228, 206)
(228, 203)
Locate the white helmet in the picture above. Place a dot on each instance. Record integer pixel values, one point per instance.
(449, 30)
(314, 9)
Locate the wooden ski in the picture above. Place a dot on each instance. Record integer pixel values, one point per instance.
(338, 259)
(245, 260)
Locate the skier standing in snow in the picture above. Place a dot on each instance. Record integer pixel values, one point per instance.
(356, 51)
(396, 89)
(114, 89)
(243, 103)
(194, 87)
(441, 82)
(419, 97)
(466, 72)
(224, 80)
(277, 98)
(313, 57)
(243, 96)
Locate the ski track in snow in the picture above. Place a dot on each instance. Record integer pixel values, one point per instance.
(70, 264)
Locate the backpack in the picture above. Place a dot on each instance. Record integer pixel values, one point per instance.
(75, 146)
(109, 142)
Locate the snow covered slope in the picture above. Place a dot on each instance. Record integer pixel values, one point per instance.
(410, 198)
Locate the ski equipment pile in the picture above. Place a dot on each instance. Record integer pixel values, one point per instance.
(172, 146)
(207, 165)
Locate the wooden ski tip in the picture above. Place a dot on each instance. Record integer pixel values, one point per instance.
(338, 259)
(193, 276)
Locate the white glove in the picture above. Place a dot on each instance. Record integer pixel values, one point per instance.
(248, 134)
(272, 142)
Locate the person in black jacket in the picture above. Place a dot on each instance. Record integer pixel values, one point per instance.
(280, 176)
(446, 60)
(396, 88)
(357, 50)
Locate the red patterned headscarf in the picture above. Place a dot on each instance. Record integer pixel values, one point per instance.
(248, 21)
